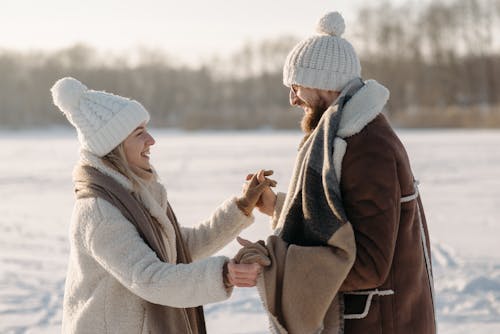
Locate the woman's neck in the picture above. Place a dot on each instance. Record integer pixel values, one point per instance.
(145, 174)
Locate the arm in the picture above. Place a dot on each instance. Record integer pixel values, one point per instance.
(228, 220)
(221, 228)
(371, 194)
(116, 245)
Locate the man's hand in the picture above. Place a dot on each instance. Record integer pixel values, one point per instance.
(267, 200)
(252, 252)
(253, 190)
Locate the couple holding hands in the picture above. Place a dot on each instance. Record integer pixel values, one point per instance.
(350, 252)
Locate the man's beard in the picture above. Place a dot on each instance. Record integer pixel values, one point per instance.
(310, 120)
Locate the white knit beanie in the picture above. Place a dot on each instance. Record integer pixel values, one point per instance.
(102, 120)
(324, 61)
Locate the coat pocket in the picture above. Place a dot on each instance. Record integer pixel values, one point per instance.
(357, 303)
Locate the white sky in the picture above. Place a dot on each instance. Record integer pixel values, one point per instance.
(188, 30)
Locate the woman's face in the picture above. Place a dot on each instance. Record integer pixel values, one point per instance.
(136, 147)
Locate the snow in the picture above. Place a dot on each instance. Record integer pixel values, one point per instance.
(459, 181)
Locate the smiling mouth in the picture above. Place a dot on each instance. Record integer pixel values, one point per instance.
(145, 154)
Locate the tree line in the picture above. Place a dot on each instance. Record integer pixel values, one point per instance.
(441, 62)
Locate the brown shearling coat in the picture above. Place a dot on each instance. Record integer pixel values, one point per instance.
(376, 174)
(389, 288)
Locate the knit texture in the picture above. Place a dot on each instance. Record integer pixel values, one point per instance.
(324, 61)
(112, 272)
(102, 120)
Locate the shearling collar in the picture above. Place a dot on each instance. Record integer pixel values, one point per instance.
(362, 108)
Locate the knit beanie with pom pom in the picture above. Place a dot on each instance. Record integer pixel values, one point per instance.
(324, 61)
(102, 120)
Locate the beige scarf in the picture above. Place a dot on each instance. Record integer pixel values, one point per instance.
(300, 287)
(89, 182)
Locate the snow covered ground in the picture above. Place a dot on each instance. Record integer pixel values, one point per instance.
(459, 173)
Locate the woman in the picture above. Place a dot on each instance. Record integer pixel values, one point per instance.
(130, 267)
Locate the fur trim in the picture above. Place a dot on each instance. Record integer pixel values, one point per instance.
(368, 303)
(362, 108)
(339, 148)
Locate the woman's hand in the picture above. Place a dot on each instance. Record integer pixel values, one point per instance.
(241, 275)
(253, 190)
(267, 200)
(245, 268)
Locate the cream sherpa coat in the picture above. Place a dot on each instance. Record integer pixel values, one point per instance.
(112, 272)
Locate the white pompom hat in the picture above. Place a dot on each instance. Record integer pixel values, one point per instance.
(102, 120)
(324, 61)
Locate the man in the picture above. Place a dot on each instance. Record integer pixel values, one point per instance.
(389, 288)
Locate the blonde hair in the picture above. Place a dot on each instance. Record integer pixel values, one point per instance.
(117, 160)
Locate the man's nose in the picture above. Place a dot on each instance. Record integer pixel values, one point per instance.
(293, 99)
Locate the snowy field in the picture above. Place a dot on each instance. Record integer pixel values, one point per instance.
(459, 173)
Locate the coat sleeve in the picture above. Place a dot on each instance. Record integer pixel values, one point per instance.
(217, 231)
(116, 245)
(371, 195)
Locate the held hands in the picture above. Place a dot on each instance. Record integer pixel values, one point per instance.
(245, 268)
(253, 189)
(242, 275)
(267, 200)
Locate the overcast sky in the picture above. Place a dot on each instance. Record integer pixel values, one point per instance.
(188, 30)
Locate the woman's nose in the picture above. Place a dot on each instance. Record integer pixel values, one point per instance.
(150, 141)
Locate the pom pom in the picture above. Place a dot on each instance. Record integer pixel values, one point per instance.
(331, 24)
(66, 94)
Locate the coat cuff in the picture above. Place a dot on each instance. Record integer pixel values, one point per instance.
(234, 213)
(280, 201)
(218, 292)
